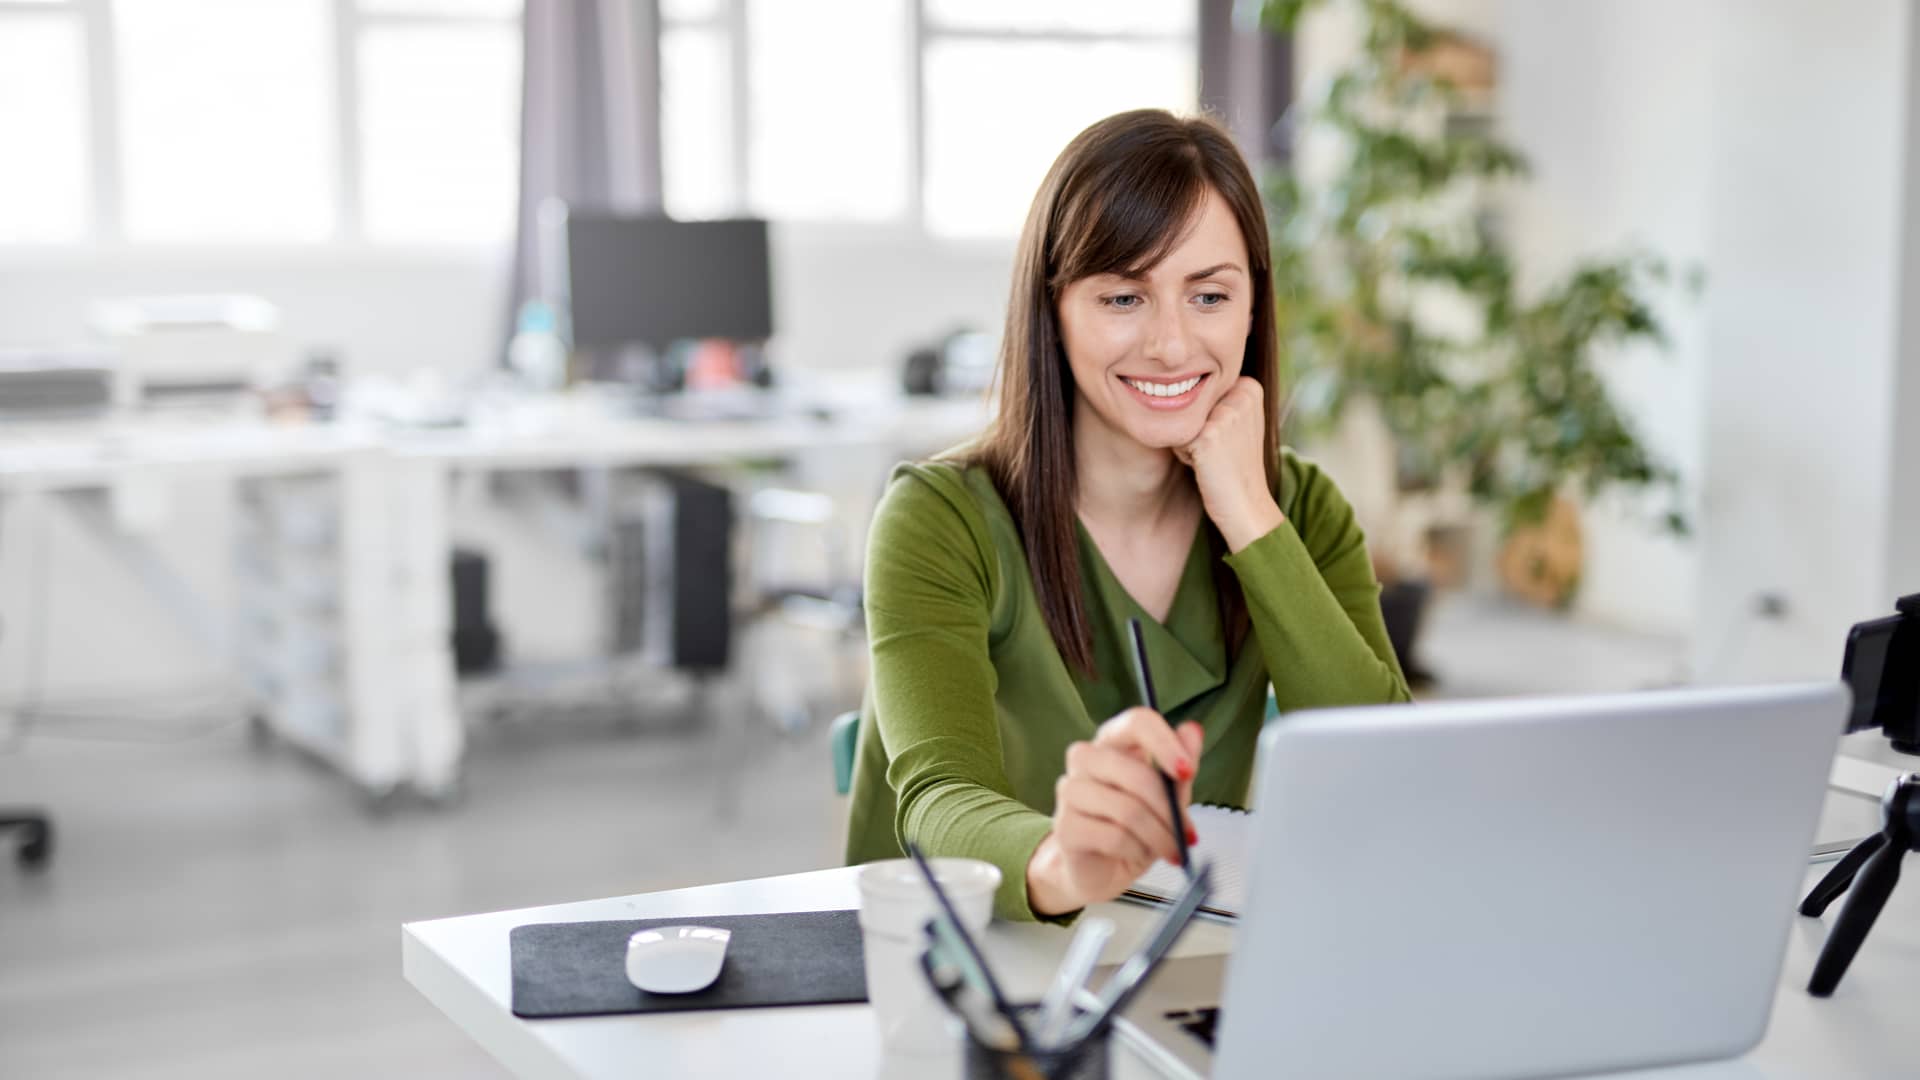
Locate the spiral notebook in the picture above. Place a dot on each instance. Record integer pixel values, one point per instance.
(1224, 834)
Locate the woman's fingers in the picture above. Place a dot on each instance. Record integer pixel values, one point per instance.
(1084, 834)
(1086, 795)
(1145, 734)
(1191, 735)
(1130, 779)
(1142, 729)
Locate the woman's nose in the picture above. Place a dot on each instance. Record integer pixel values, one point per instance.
(1167, 338)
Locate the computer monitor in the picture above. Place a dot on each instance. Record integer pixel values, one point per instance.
(650, 280)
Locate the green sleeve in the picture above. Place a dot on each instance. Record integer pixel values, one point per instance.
(931, 582)
(1314, 603)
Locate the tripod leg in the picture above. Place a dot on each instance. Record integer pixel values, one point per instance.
(1870, 894)
(1840, 876)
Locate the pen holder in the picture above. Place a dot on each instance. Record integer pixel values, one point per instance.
(1084, 1061)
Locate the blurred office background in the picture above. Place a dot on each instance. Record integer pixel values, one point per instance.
(335, 593)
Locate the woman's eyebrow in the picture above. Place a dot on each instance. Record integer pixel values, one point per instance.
(1212, 270)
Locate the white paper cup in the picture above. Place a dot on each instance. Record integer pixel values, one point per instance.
(895, 905)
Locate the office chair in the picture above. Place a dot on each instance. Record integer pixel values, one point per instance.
(831, 604)
(843, 739)
(36, 828)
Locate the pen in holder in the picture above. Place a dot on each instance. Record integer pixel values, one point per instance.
(1085, 1059)
(1000, 1038)
(992, 1051)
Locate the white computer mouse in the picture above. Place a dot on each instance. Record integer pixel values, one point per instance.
(676, 959)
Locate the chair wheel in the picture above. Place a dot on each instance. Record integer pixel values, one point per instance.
(37, 850)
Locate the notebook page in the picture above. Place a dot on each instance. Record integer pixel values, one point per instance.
(1223, 842)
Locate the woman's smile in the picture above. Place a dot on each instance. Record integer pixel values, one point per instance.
(1165, 393)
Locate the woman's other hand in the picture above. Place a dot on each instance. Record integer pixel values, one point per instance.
(1227, 459)
(1110, 819)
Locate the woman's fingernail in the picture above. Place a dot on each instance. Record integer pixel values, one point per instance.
(1192, 837)
(1184, 768)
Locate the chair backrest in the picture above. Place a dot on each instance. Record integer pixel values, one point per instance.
(842, 738)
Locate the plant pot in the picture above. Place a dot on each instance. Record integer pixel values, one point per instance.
(1541, 562)
(1403, 604)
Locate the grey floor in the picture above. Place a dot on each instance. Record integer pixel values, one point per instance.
(221, 910)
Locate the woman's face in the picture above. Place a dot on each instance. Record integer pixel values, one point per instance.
(1152, 355)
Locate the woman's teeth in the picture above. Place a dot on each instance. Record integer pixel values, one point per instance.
(1163, 389)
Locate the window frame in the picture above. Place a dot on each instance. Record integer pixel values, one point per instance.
(101, 116)
(921, 32)
(350, 21)
(105, 227)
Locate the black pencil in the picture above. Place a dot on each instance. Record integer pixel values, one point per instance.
(1145, 677)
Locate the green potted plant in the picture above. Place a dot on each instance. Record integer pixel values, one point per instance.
(1396, 292)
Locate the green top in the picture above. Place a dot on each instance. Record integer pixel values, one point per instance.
(971, 709)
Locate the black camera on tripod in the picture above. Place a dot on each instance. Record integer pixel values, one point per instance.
(1882, 667)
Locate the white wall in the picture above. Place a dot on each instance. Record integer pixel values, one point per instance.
(851, 296)
(1810, 200)
(383, 310)
(1903, 518)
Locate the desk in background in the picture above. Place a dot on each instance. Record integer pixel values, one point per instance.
(376, 698)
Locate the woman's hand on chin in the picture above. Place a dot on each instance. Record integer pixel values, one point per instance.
(1229, 467)
(1110, 815)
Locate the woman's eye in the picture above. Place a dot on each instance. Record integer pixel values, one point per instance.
(1124, 301)
(1207, 300)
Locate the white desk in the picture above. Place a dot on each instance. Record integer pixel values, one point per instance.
(390, 718)
(461, 965)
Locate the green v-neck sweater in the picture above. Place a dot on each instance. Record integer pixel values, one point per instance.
(971, 709)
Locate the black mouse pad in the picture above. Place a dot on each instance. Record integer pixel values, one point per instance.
(793, 958)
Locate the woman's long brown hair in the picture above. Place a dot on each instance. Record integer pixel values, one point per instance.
(1119, 198)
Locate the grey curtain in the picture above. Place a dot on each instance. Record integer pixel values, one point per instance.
(589, 122)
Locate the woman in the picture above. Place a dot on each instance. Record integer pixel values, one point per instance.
(1133, 470)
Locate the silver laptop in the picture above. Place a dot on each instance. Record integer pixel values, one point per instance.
(1509, 889)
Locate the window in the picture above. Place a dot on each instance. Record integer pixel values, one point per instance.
(944, 113)
(44, 186)
(439, 119)
(238, 121)
(1007, 83)
(998, 112)
(786, 110)
(827, 117)
(1075, 18)
(697, 144)
(237, 144)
